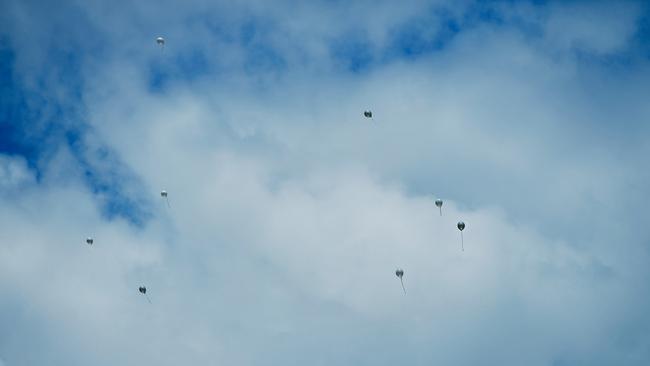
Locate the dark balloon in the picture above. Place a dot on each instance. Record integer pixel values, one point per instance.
(400, 273)
(439, 205)
(143, 290)
(461, 227)
(163, 194)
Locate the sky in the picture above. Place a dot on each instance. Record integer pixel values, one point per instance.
(289, 212)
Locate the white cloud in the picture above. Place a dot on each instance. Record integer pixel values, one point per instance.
(602, 28)
(14, 173)
(290, 212)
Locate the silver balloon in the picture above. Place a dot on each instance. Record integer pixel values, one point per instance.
(367, 114)
(160, 41)
(89, 241)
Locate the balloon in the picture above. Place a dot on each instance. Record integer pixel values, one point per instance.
(461, 227)
(439, 205)
(143, 290)
(400, 273)
(90, 241)
(163, 194)
(367, 114)
(160, 41)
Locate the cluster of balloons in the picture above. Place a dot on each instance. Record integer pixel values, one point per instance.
(461, 226)
(142, 289)
(90, 241)
(438, 202)
(398, 272)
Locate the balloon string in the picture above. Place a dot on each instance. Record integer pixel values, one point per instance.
(147, 296)
(403, 288)
(168, 205)
(440, 210)
(462, 244)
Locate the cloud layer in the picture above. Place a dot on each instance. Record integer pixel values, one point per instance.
(290, 211)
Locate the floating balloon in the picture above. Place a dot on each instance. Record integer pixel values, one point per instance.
(439, 205)
(461, 227)
(163, 194)
(400, 273)
(367, 114)
(89, 241)
(160, 41)
(143, 290)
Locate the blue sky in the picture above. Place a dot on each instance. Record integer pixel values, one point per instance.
(290, 211)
